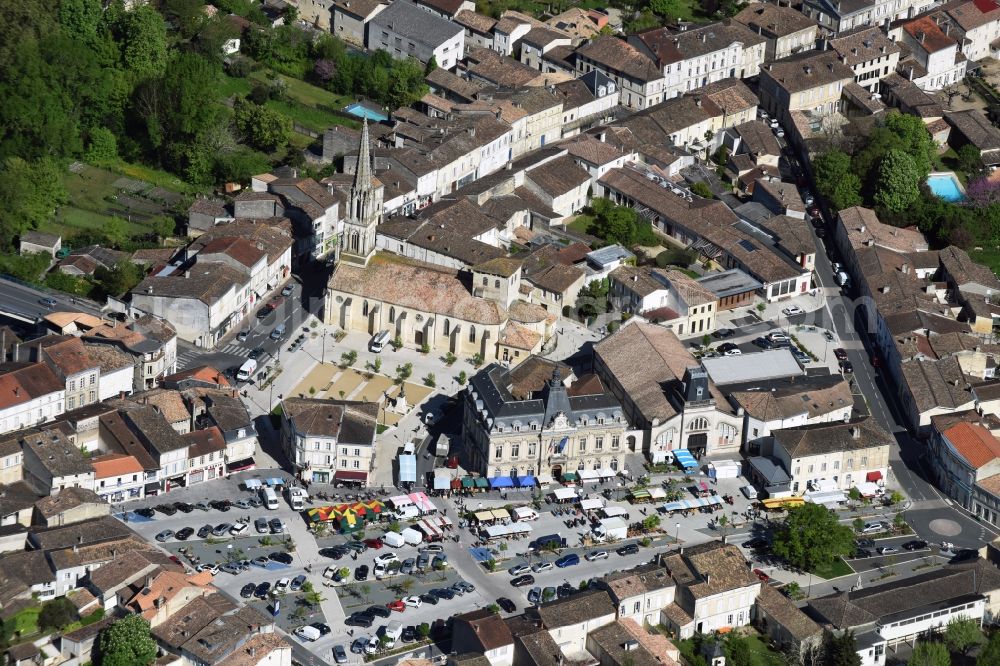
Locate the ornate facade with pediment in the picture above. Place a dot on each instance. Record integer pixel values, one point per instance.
(538, 422)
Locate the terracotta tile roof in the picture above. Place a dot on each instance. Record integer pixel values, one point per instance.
(581, 607)
(202, 373)
(69, 357)
(488, 628)
(519, 337)
(974, 443)
(807, 71)
(416, 286)
(23, 382)
(619, 56)
(863, 226)
(66, 499)
(166, 586)
(823, 438)
(203, 442)
(257, 649)
(115, 464)
(240, 249)
(347, 421)
(928, 34)
(710, 568)
(476, 22)
(774, 20)
(559, 176)
(784, 611)
(167, 402)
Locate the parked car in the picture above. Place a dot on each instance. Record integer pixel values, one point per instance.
(239, 528)
(792, 310)
(260, 524)
(396, 605)
(755, 543)
(539, 567)
(247, 590)
(886, 550)
(595, 555)
(568, 560)
(840, 353)
(445, 593)
(413, 601)
(408, 566)
(145, 513)
(865, 543)
(262, 590)
(284, 558)
(297, 583)
(204, 531)
(506, 604)
(763, 577)
(282, 586)
(363, 620)
(523, 581)
(164, 535)
(846, 367)
(519, 569)
(184, 507)
(862, 553)
(431, 549)
(428, 598)
(361, 573)
(222, 529)
(221, 505)
(277, 527)
(374, 544)
(915, 544)
(287, 290)
(535, 595)
(385, 558)
(184, 533)
(380, 611)
(628, 549)
(339, 654)
(260, 561)
(166, 509)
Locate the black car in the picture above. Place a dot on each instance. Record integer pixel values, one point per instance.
(522, 581)
(358, 546)
(247, 590)
(284, 558)
(755, 543)
(964, 555)
(628, 549)
(916, 544)
(256, 353)
(409, 634)
(724, 333)
(728, 346)
(360, 620)
(862, 553)
(380, 611)
(445, 593)
(322, 628)
(166, 509)
(506, 604)
(204, 531)
(565, 590)
(145, 513)
(361, 573)
(333, 553)
(428, 598)
(846, 367)
(221, 505)
(865, 543)
(184, 507)
(262, 590)
(183, 533)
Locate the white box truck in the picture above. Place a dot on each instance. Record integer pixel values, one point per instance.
(525, 513)
(614, 529)
(394, 540)
(269, 498)
(412, 536)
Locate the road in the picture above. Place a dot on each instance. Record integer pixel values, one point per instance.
(25, 301)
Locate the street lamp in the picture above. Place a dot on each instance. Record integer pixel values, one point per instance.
(677, 534)
(323, 359)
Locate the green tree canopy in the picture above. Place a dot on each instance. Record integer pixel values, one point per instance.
(143, 38)
(990, 654)
(839, 650)
(811, 536)
(898, 184)
(127, 642)
(962, 634)
(926, 653)
(57, 613)
(260, 127)
(29, 195)
(836, 180)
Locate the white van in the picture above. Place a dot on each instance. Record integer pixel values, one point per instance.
(308, 633)
(379, 341)
(843, 279)
(269, 498)
(246, 371)
(297, 498)
(749, 492)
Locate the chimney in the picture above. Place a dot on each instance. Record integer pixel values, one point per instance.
(697, 102)
(253, 649)
(856, 432)
(905, 268)
(708, 579)
(921, 37)
(704, 37)
(17, 391)
(884, 289)
(809, 69)
(149, 580)
(187, 274)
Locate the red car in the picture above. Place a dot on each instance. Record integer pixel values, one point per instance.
(761, 575)
(396, 605)
(453, 462)
(840, 353)
(374, 544)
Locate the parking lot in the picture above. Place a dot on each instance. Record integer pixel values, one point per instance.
(340, 601)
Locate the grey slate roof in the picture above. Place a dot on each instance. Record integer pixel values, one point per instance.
(409, 21)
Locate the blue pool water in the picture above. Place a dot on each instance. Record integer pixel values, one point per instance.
(945, 186)
(362, 111)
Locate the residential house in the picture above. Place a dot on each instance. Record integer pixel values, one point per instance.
(149, 437)
(206, 455)
(404, 30)
(72, 565)
(213, 633)
(203, 301)
(446, 9)
(36, 242)
(787, 30)
(837, 17)
(96, 530)
(808, 82)
(978, 23)
(693, 58)
(150, 341)
(521, 424)
(539, 41)
(640, 82)
(967, 457)
(579, 23)
(52, 462)
(30, 394)
(833, 455)
(732, 288)
(640, 594)
(125, 571)
(118, 477)
(351, 19)
(27, 575)
(229, 414)
(869, 53)
(478, 28)
(551, 282)
(165, 593)
(777, 617)
(789, 403)
(570, 620)
(971, 127)
(715, 589)
(665, 394)
(625, 642)
(11, 464)
(484, 632)
(205, 213)
(667, 297)
(561, 184)
(935, 61)
(71, 504)
(330, 440)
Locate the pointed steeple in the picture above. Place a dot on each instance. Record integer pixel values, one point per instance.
(363, 174)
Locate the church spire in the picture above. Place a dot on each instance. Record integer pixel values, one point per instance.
(363, 174)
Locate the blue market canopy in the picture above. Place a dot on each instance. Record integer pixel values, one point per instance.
(249, 484)
(526, 481)
(408, 468)
(684, 458)
(501, 482)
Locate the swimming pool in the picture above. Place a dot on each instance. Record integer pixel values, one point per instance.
(361, 111)
(944, 184)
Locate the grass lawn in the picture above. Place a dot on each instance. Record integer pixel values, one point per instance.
(24, 623)
(989, 256)
(305, 93)
(306, 104)
(835, 569)
(581, 224)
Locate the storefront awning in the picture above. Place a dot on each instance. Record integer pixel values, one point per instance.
(569, 476)
(468, 482)
(442, 483)
(564, 493)
(152, 488)
(544, 479)
(591, 504)
(501, 482)
(606, 473)
(526, 481)
(249, 484)
(349, 475)
(241, 465)
(482, 483)
(874, 477)
(589, 475)
(692, 503)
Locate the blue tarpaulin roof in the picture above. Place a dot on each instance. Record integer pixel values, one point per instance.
(480, 554)
(692, 503)
(252, 483)
(408, 468)
(501, 482)
(275, 482)
(684, 458)
(526, 481)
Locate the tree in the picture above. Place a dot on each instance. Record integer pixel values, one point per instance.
(424, 630)
(962, 634)
(103, 147)
(926, 653)
(261, 127)
(898, 183)
(430, 380)
(142, 34)
(702, 190)
(969, 160)
(56, 614)
(793, 590)
(349, 358)
(672, 9)
(30, 192)
(120, 278)
(840, 650)
(811, 536)
(403, 372)
(895, 497)
(127, 642)
(163, 227)
(990, 654)
(462, 378)
(738, 652)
